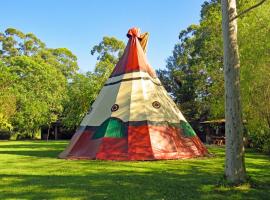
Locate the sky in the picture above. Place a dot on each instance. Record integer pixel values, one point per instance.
(80, 24)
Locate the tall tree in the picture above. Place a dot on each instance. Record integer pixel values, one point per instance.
(254, 45)
(108, 51)
(82, 91)
(38, 80)
(234, 164)
(7, 98)
(235, 171)
(194, 73)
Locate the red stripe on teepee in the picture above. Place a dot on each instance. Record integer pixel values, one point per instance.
(85, 148)
(113, 149)
(139, 145)
(169, 143)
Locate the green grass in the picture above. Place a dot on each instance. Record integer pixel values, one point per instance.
(30, 170)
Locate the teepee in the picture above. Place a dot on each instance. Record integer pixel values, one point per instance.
(133, 117)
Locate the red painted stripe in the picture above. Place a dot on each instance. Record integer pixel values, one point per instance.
(146, 142)
(113, 149)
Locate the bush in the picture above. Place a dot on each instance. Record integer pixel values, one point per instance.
(260, 139)
(266, 146)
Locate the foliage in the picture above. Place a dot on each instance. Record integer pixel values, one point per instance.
(255, 60)
(194, 72)
(7, 98)
(34, 80)
(108, 51)
(82, 92)
(25, 175)
(40, 85)
(39, 93)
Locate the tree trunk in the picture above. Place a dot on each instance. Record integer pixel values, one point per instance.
(234, 165)
(55, 133)
(48, 132)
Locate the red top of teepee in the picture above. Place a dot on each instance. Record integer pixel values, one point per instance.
(134, 58)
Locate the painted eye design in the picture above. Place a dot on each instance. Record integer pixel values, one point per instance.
(115, 107)
(156, 104)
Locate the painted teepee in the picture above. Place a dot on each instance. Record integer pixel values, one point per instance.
(133, 117)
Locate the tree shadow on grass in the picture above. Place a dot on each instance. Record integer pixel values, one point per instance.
(192, 184)
(37, 149)
(35, 153)
(33, 144)
(167, 180)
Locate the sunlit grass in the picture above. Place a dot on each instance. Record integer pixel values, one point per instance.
(30, 170)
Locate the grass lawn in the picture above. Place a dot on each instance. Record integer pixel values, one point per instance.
(30, 170)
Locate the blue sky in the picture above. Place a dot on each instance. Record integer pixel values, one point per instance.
(80, 24)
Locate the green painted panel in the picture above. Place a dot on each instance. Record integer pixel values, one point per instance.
(187, 129)
(110, 128)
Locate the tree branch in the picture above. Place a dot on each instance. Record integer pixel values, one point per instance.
(247, 10)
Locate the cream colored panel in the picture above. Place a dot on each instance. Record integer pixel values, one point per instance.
(137, 107)
(144, 93)
(166, 112)
(172, 104)
(123, 100)
(101, 109)
(135, 98)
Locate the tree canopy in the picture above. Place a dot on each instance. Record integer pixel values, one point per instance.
(194, 71)
(41, 85)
